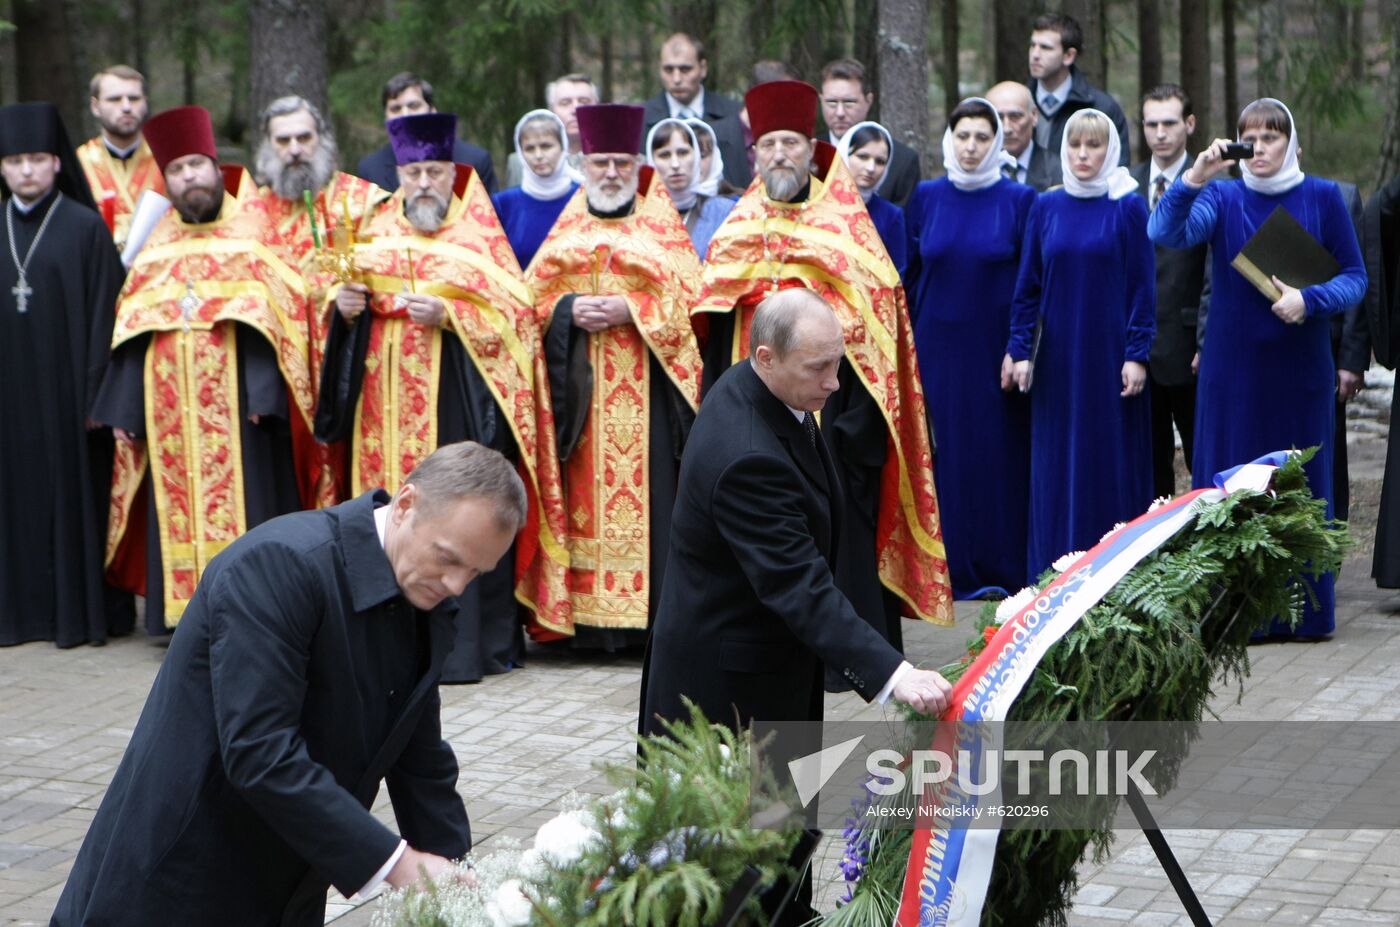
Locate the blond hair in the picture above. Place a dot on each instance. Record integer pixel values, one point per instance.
(1088, 126)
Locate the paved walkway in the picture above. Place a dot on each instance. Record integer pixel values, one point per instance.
(528, 738)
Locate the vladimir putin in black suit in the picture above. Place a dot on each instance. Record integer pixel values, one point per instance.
(303, 672)
(749, 612)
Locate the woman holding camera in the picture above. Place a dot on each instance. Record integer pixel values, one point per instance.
(1086, 293)
(1267, 379)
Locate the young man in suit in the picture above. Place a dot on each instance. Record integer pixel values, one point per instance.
(1060, 89)
(407, 94)
(846, 100)
(304, 672)
(683, 95)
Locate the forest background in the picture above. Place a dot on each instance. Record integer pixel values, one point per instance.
(1336, 63)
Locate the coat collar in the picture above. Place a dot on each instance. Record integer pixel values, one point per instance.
(784, 424)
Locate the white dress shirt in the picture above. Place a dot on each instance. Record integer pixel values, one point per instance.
(696, 106)
(1171, 172)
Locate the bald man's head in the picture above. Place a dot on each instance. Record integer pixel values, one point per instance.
(796, 345)
(1016, 107)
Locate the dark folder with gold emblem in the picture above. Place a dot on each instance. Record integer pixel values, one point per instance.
(1282, 248)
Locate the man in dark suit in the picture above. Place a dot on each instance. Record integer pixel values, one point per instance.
(407, 94)
(1036, 167)
(1060, 90)
(1168, 123)
(683, 71)
(846, 100)
(749, 612)
(304, 671)
(1351, 350)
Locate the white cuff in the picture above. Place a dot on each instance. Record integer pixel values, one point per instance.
(894, 679)
(383, 872)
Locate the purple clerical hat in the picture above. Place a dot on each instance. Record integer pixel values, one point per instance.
(610, 128)
(423, 137)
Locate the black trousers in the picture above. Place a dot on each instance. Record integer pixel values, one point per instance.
(1171, 404)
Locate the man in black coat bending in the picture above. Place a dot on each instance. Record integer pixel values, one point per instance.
(305, 670)
(749, 613)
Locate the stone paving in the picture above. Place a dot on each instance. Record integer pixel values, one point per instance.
(529, 738)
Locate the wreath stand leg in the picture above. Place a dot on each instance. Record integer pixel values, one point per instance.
(1168, 860)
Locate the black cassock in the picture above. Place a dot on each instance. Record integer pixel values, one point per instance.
(1381, 244)
(489, 639)
(57, 474)
(269, 475)
(858, 438)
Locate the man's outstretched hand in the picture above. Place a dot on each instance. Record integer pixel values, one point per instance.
(924, 691)
(415, 866)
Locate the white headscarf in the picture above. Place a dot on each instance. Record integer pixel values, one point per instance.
(684, 200)
(557, 183)
(989, 171)
(1111, 178)
(709, 184)
(1290, 174)
(843, 148)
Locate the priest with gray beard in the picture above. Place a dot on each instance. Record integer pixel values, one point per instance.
(297, 164)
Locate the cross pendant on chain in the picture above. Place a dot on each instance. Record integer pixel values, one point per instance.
(189, 304)
(22, 291)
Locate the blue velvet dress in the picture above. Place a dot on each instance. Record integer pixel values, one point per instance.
(964, 248)
(889, 222)
(1088, 272)
(1266, 385)
(527, 220)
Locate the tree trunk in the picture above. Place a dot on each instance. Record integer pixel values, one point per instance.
(605, 50)
(287, 51)
(1149, 22)
(43, 50)
(700, 19)
(1389, 164)
(1195, 60)
(1093, 57)
(1270, 45)
(864, 39)
(1229, 49)
(948, 72)
(903, 72)
(1357, 42)
(1012, 19)
(139, 38)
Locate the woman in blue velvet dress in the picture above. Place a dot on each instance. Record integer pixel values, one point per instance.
(673, 150)
(1088, 284)
(965, 235)
(1267, 379)
(529, 211)
(866, 148)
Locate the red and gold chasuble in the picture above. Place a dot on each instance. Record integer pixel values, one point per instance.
(189, 285)
(830, 245)
(469, 265)
(117, 185)
(320, 467)
(646, 258)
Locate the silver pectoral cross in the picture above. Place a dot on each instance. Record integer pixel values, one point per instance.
(22, 291)
(189, 304)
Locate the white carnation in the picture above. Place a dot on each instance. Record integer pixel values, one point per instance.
(1158, 503)
(532, 864)
(509, 907)
(1066, 561)
(562, 839)
(1009, 607)
(1112, 531)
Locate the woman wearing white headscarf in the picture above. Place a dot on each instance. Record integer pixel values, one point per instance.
(673, 150)
(1267, 379)
(529, 211)
(1085, 295)
(866, 149)
(965, 236)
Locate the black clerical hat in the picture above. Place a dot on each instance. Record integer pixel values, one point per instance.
(31, 127)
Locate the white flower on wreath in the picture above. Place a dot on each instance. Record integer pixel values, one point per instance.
(1158, 502)
(1112, 531)
(1010, 606)
(532, 864)
(1066, 561)
(509, 907)
(562, 839)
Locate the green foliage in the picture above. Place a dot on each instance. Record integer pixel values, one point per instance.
(1158, 647)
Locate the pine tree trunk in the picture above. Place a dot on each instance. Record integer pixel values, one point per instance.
(948, 71)
(43, 50)
(287, 51)
(1013, 38)
(1093, 57)
(1149, 22)
(1270, 45)
(864, 38)
(139, 38)
(1229, 49)
(902, 66)
(1195, 61)
(1389, 164)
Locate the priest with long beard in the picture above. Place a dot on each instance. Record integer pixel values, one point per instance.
(805, 224)
(435, 343)
(613, 282)
(297, 156)
(209, 367)
(59, 277)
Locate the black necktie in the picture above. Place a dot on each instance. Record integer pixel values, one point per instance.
(1009, 171)
(1158, 188)
(809, 423)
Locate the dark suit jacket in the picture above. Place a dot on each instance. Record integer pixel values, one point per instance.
(1380, 248)
(749, 611)
(1082, 95)
(380, 167)
(722, 114)
(905, 172)
(298, 678)
(1351, 333)
(1180, 279)
(1044, 170)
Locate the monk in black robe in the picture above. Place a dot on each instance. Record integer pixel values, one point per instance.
(1381, 244)
(59, 277)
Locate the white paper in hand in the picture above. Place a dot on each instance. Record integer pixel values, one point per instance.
(149, 210)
